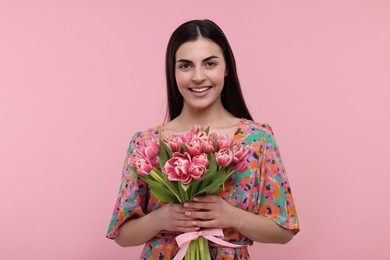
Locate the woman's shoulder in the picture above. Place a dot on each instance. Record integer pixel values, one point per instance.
(252, 126)
(140, 137)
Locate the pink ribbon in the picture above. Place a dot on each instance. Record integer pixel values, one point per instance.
(212, 234)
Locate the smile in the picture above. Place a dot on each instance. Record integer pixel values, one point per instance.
(200, 90)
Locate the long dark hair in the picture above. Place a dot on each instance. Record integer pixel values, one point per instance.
(231, 96)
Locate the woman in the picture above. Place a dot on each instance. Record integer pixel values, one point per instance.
(257, 205)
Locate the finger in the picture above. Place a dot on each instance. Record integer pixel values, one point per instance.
(198, 205)
(183, 217)
(187, 229)
(182, 209)
(206, 215)
(206, 198)
(178, 208)
(206, 224)
(186, 223)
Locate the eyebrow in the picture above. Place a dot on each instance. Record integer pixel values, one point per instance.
(206, 59)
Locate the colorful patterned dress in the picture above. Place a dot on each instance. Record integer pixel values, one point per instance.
(262, 189)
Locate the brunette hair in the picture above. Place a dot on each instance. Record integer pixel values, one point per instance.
(231, 96)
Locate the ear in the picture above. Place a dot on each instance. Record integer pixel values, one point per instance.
(226, 72)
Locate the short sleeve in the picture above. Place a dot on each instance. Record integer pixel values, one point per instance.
(131, 201)
(275, 198)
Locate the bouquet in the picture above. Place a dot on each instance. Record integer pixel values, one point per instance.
(180, 167)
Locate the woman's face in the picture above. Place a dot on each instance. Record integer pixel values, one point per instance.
(200, 72)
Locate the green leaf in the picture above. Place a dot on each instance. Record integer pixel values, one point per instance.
(229, 172)
(159, 177)
(159, 190)
(182, 149)
(182, 191)
(163, 155)
(184, 187)
(193, 189)
(212, 162)
(207, 130)
(213, 188)
(211, 172)
(208, 178)
(161, 193)
(166, 148)
(149, 180)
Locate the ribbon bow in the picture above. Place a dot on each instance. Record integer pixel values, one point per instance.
(212, 234)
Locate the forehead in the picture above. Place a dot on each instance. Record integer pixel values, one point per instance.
(198, 49)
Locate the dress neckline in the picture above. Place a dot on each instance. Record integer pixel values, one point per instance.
(161, 130)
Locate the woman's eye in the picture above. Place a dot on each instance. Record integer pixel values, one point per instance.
(211, 64)
(184, 66)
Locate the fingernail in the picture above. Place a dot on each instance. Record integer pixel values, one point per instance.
(194, 223)
(185, 205)
(187, 213)
(196, 199)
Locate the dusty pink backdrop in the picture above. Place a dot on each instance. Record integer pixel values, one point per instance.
(78, 78)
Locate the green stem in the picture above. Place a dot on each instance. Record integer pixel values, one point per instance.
(157, 177)
(207, 250)
(191, 251)
(228, 174)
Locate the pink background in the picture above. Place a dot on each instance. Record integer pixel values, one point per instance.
(78, 78)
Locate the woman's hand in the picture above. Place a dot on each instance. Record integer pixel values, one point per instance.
(211, 211)
(171, 217)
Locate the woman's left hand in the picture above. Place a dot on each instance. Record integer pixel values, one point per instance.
(212, 212)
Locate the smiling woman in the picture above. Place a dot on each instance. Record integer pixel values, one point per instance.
(255, 205)
(200, 73)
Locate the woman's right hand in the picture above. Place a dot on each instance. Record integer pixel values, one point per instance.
(171, 217)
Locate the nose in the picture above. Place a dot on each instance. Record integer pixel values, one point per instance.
(198, 75)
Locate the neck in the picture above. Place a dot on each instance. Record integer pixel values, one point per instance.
(215, 117)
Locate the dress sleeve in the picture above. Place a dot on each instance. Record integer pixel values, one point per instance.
(275, 198)
(131, 201)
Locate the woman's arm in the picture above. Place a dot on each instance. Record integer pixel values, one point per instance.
(170, 217)
(260, 228)
(137, 231)
(220, 214)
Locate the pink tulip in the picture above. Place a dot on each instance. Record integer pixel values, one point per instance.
(194, 147)
(187, 137)
(242, 165)
(239, 152)
(174, 142)
(141, 164)
(196, 128)
(223, 142)
(177, 168)
(224, 157)
(207, 142)
(201, 159)
(151, 149)
(196, 171)
(155, 162)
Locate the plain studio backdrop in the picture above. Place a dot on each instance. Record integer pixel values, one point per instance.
(79, 78)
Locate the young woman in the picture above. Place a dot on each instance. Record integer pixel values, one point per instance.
(257, 205)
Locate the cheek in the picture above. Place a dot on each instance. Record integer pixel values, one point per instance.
(181, 79)
(217, 76)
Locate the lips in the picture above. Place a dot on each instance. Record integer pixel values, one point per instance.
(200, 89)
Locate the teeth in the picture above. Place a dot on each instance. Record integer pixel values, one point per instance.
(199, 89)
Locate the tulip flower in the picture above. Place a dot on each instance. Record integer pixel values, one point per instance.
(224, 157)
(151, 149)
(177, 168)
(201, 159)
(174, 142)
(239, 152)
(194, 147)
(141, 164)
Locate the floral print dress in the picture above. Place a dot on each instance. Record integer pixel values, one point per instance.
(262, 189)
